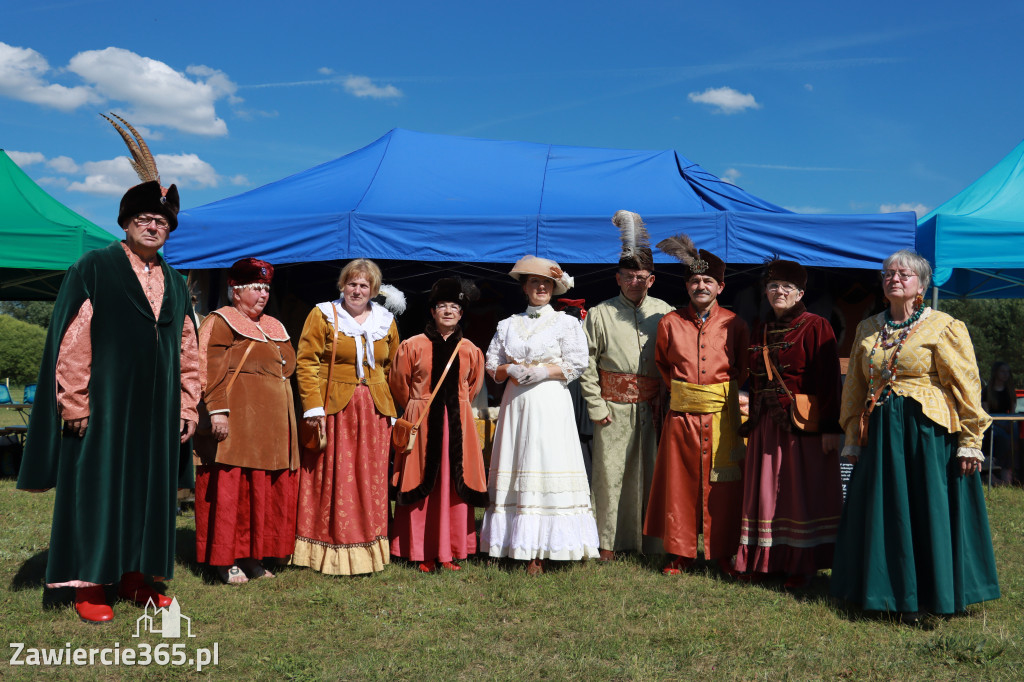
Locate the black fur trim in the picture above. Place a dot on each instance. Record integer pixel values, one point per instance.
(447, 397)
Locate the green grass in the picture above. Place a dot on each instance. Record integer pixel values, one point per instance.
(622, 621)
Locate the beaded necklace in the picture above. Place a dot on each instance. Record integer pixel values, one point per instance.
(888, 338)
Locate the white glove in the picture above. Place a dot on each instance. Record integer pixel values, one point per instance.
(516, 372)
(533, 375)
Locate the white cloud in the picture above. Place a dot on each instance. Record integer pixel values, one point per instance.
(239, 180)
(725, 100)
(731, 175)
(22, 77)
(63, 164)
(25, 158)
(361, 86)
(918, 208)
(808, 87)
(114, 176)
(150, 92)
(156, 94)
(325, 71)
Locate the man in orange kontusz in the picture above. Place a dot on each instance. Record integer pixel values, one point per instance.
(701, 352)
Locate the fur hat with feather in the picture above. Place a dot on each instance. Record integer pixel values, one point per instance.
(698, 261)
(636, 244)
(148, 196)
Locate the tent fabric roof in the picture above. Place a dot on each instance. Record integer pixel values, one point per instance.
(418, 196)
(41, 237)
(974, 239)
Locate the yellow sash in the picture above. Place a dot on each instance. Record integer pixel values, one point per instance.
(722, 402)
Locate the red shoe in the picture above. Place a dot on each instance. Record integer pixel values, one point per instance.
(451, 565)
(607, 554)
(133, 588)
(677, 566)
(91, 604)
(427, 566)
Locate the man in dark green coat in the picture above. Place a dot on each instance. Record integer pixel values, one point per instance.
(115, 411)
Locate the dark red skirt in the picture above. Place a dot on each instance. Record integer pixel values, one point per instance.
(244, 513)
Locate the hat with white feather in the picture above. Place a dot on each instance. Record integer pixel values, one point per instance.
(636, 245)
(542, 267)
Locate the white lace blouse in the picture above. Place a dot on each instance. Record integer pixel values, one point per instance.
(539, 336)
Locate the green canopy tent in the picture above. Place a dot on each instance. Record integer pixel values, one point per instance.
(39, 237)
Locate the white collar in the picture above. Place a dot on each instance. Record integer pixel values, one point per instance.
(374, 328)
(534, 311)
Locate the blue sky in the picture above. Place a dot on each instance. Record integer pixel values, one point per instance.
(816, 106)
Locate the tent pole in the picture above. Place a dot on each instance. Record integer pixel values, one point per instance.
(935, 297)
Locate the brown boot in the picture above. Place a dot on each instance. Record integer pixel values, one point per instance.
(607, 554)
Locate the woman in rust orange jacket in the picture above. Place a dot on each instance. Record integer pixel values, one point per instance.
(442, 478)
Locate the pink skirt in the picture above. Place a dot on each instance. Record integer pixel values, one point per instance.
(441, 526)
(792, 500)
(343, 493)
(244, 513)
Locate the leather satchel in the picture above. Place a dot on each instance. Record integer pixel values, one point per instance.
(803, 407)
(311, 436)
(404, 432)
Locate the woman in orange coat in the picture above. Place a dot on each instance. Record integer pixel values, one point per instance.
(343, 491)
(442, 478)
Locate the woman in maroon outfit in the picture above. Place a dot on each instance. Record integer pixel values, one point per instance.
(792, 496)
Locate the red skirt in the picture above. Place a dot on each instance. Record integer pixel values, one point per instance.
(441, 526)
(792, 500)
(244, 513)
(343, 493)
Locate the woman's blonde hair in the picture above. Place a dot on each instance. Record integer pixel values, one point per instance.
(361, 266)
(913, 260)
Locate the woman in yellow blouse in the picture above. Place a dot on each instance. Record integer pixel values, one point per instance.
(914, 534)
(343, 491)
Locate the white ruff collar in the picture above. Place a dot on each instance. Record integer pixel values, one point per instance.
(374, 328)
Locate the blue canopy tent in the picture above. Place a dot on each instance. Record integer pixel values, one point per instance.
(975, 240)
(424, 197)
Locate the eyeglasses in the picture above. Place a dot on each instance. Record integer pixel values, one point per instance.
(904, 275)
(146, 220)
(454, 307)
(634, 279)
(784, 288)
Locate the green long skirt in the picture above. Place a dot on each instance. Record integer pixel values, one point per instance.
(914, 532)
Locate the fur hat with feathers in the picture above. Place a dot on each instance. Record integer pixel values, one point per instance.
(698, 261)
(636, 244)
(148, 196)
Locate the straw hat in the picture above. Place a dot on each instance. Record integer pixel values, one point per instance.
(542, 267)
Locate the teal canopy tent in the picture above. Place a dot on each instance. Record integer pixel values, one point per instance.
(975, 240)
(40, 238)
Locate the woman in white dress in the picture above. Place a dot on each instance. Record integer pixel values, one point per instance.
(540, 498)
